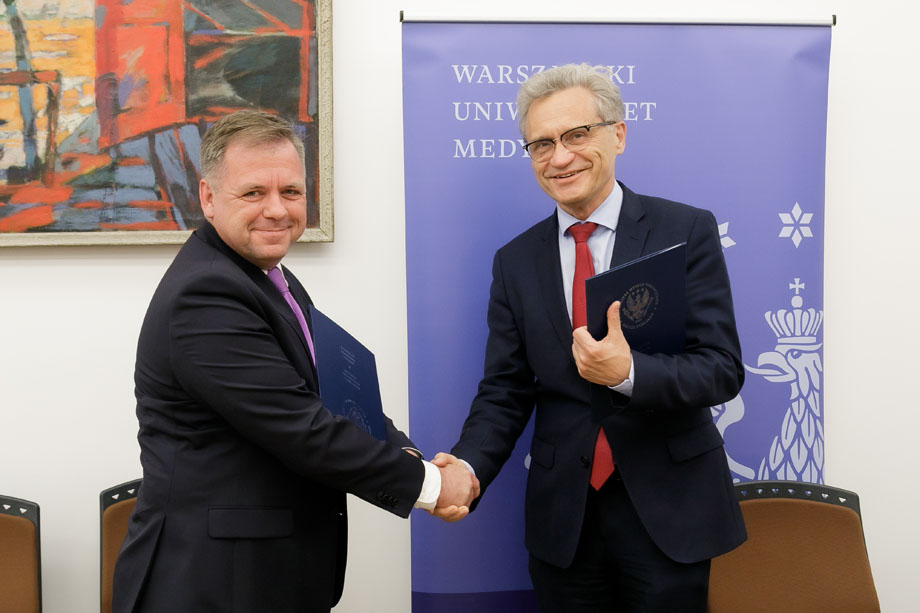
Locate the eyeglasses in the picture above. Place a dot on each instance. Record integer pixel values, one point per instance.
(575, 139)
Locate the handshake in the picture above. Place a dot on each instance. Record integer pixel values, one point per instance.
(459, 488)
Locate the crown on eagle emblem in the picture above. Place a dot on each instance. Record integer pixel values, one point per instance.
(796, 326)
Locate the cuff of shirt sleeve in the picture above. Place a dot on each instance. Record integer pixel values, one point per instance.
(469, 467)
(626, 387)
(431, 488)
(414, 452)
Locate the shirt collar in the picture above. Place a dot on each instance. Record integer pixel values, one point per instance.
(278, 265)
(607, 214)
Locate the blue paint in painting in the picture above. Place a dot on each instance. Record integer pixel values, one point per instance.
(124, 195)
(191, 141)
(168, 153)
(135, 176)
(138, 147)
(69, 219)
(127, 86)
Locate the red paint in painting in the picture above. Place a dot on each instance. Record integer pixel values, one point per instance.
(143, 225)
(135, 161)
(76, 164)
(140, 59)
(40, 193)
(34, 217)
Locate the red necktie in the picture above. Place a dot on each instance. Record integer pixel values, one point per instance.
(602, 466)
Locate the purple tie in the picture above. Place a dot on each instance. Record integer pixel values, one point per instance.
(277, 279)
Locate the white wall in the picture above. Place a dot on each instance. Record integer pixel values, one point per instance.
(70, 316)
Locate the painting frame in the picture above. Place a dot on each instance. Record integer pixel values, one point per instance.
(321, 231)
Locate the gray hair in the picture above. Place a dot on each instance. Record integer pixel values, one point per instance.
(596, 79)
(250, 126)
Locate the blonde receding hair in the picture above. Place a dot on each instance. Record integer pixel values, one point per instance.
(250, 126)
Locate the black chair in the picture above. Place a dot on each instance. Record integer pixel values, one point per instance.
(805, 552)
(20, 556)
(115, 507)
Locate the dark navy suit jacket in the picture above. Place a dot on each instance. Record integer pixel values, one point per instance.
(242, 506)
(665, 446)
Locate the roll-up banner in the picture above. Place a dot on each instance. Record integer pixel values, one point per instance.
(730, 117)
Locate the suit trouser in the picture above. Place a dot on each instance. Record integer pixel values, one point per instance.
(618, 567)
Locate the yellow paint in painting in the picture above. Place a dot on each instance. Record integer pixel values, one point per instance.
(64, 45)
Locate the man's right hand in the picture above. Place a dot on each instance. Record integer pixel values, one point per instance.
(459, 487)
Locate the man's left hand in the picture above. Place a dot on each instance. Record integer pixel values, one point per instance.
(607, 361)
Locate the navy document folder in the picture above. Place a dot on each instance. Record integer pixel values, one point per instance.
(651, 291)
(347, 374)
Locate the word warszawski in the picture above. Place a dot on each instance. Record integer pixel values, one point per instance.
(483, 74)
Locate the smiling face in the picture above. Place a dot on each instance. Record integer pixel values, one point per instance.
(582, 180)
(257, 202)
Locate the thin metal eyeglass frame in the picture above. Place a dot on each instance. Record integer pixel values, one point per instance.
(559, 138)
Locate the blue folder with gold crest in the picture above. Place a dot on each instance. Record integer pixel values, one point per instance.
(347, 374)
(652, 295)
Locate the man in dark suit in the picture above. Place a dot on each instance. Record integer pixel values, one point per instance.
(242, 506)
(629, 493)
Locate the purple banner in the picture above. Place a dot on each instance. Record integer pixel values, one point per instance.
(727, 118)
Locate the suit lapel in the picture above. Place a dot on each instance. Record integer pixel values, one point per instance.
(632, 229)
(547, 259)
(209, 235)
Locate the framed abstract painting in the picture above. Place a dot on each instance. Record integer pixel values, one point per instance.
(103, 104)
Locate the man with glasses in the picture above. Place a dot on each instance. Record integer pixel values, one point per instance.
(629, 494)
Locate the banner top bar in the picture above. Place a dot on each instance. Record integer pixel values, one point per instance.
(414, 17)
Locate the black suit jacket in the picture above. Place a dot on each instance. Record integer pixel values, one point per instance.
(665, 445)
(242, 506)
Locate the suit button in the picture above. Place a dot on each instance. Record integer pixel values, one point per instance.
(585, 462)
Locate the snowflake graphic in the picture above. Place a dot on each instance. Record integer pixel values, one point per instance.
(724, 237)
(795, 225)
